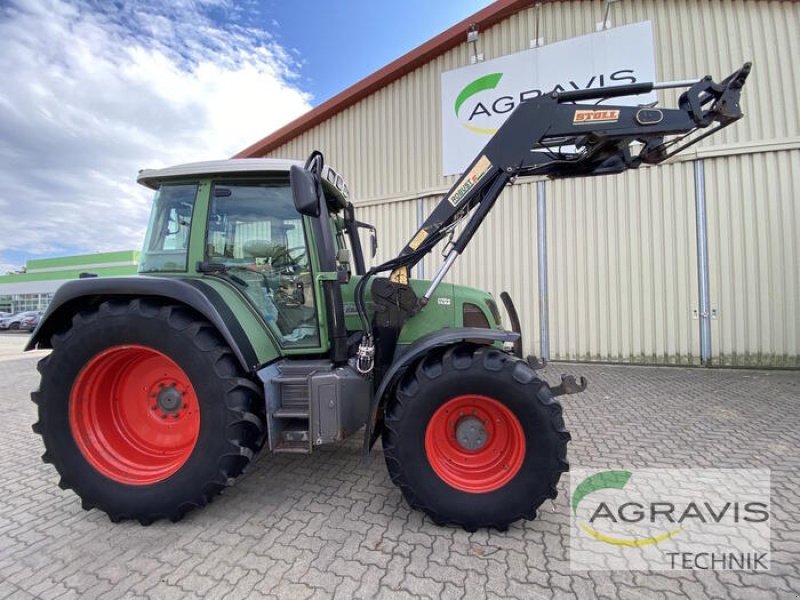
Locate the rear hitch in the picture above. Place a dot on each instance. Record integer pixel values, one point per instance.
(569, 385)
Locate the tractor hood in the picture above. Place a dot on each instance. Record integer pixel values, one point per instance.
(451, 306)
(448, 307)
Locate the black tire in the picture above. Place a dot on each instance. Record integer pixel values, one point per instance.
(468, 370)
(229, 431)
(14, 326)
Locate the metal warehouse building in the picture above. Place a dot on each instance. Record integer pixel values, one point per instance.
(694, 262)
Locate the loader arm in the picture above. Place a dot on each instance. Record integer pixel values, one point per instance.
(597, 138)
(555, 136)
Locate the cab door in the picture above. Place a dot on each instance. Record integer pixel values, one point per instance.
(259, 237)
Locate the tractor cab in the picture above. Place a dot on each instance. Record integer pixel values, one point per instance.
(238, 220)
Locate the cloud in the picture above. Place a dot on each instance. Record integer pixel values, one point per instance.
(94, 91)
(6, 268)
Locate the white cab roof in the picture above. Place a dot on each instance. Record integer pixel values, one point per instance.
(153, 178)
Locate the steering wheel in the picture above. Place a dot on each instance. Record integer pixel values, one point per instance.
(287, 258)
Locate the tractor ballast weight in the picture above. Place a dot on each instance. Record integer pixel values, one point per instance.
(254, 323)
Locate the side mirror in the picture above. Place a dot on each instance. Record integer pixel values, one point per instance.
(373, 235)
(304, 191)
(373, 240)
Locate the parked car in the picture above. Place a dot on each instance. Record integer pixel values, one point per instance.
(6, 320)
(15, 322)
(30, 322)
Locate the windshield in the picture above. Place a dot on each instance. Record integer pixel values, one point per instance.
(256, 233)
(167, 242)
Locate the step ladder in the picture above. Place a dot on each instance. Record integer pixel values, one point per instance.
(289, 406)
(312, 402)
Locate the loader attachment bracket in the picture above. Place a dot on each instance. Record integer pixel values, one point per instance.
(705, 102)
(723, 96)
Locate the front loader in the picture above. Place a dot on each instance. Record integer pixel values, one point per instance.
(254, 324)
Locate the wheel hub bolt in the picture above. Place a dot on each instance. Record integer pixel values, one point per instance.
(169, 399)
(471, 433)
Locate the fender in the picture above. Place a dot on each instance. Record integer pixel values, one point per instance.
(76, 295)
(417, 350)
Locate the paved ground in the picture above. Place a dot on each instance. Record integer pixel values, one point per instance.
(328, 526)
(11, 345)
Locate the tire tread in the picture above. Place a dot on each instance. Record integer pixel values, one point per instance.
(244, 430)
(460, 358)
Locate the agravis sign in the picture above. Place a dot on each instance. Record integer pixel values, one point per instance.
(478, 98)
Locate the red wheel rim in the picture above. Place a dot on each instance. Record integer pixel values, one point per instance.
(134, 414)
(475, 444)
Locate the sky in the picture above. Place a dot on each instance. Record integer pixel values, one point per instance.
(93, 91)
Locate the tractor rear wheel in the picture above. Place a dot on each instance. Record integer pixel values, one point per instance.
(144, 411)
(474, 439)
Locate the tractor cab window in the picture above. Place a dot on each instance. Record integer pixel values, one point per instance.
(256, 233)
(167, 242)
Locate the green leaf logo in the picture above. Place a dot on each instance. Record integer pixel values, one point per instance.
(611, 480)
(599, 481)
(487, 82)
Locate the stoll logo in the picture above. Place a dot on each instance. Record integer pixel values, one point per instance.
(670, 519)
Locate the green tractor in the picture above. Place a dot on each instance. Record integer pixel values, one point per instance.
(255, 325)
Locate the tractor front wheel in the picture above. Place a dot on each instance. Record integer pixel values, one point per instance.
(144, 411)
(473, 438)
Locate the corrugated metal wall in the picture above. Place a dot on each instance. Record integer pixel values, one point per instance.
(622, 264)
(754, 252)
(622, 268)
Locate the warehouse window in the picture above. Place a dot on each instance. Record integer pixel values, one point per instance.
(25, 302)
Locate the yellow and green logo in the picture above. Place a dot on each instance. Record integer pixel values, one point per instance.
(603, 481)
(481, 84)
